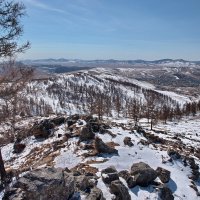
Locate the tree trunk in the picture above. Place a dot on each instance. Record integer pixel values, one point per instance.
(151, 124)
(2, 168)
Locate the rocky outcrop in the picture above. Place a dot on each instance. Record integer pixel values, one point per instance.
(163, 174)
(119, 190)
(47, 183)
(143, 174)
(55, 184)
(42, 129)
(128, 142)
(101, 147)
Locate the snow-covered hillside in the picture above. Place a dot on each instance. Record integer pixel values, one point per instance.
(69, 93)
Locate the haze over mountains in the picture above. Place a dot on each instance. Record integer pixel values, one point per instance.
(175, 62)
(62, 65)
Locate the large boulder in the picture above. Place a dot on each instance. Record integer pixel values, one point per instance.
(163, 174)
(101, 147)
(45, 184)
(42, 129)
(143, 174)
(86, 134)
(127, 141)
(119, 190)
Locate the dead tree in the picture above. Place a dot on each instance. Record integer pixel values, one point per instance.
(2, 168)
(12, 90)
(10, 30)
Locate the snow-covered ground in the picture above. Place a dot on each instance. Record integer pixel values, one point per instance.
(188, 130)
(179, 182)
(71, 154)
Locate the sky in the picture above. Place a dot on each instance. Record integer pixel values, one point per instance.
(112, 29)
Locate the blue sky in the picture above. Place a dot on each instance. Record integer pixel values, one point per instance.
(112, 29)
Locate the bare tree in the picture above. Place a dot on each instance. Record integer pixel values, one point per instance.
(10, 28)
(12, 90)
(10, 31)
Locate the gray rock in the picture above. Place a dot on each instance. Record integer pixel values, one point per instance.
(163, 174)
(69, 184)
(95, 194)
(173, 154)
(108, 178)
(42, 129)
(86, 134)
(143, 174)
(144, 142)
(139, 129)
(119, 190)
(45, 184)
(109, 174)
(128, 178)
(108, 170)
(58, 120)
(166, 194)
(14, 194)
(127, 141)
(82, 182)
(101, 147)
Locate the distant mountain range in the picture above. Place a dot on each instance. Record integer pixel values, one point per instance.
(67, 65)
(110, 61)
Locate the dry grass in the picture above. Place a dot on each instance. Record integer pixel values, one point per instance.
(89, 162)
(86, 168)
(112, 144)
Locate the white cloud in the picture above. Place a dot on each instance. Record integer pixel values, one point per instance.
(44, 6)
